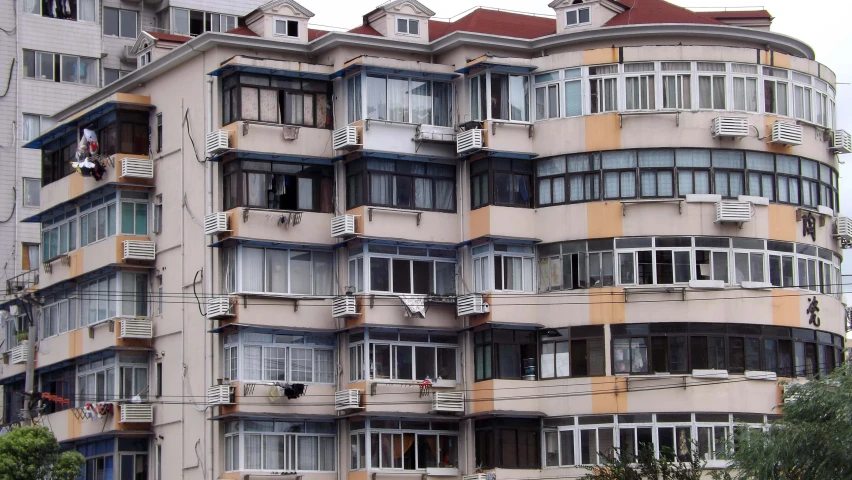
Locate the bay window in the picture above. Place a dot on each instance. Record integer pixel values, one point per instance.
(409, 100)
(640, 90)
(283, 271)
(59, 314)
(574, 265)
(97, 220)
(122, 294)
(603, 88)
(406, 355)
(505, 354)
(504, 267)
(501, 181)
(580, 182)
(277, 186)
(276, 99)
(572, 352)
(667, 262)
(97, 380)
(507, 443)
(404, 444)
(400, 184)
(510, 97)
(295, 446)
(54, 158)
(292, 357)
(403, 270)
(479, 97)
(58, 235)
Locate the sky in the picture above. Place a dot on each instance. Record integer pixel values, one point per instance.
(822, 24)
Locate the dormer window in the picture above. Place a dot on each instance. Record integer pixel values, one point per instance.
(408, 26)
(145, 58)
(287, 28)
(578, 16)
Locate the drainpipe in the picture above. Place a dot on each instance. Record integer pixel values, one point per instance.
(208, 267)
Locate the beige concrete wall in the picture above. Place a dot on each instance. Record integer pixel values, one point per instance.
(313, 229)
(311, 142)
(102, 253)
(82, 341)
(435, 227)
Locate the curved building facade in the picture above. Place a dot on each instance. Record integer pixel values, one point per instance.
(503, 242)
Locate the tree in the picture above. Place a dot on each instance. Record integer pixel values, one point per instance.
(811, 441)
(32, 453)
(646, 466)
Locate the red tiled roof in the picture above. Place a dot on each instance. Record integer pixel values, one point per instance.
(366, 30)
(315, 34)
(494, 22)
(657, 11)
(168, 37)
(243, 30)
(739, 15)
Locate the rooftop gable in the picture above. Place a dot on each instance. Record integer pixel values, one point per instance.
(286, 7)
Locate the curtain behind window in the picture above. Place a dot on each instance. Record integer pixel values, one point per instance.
(398, 100)
(252, 270)
(421, 102)
(308, 453)
(86, 10)
(442, 104)
(276, 271)
(322, 273)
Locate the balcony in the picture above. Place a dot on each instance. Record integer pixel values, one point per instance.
(413, 225)
(21, 282)
(271, 138)
(117, 333)
(265, 398)
(277, 226)
(122, 169)
(77, 423)
(109, 251)
(294, 310)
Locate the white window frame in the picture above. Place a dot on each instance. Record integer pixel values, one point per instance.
(484, 258)
(786, 98)
(571, 75)
(653, 249)
(408, 21)
(52, 315)
(750, 275)
(359, 263)
(31, 187)
(681, 97)
(649, 91)
(805, 112)
(239, 434)
(530, 99)
(239, 271)
(578, 23)
(241, 342)
(409, 108)
(145, 58)
(286, 23)
(370, 345)
(43, 122)
(548, 89)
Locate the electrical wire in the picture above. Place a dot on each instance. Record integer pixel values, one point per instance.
(14, 205)
(186, 123)
(11, 73)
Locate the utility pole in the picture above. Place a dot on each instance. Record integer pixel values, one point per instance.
(26, 303)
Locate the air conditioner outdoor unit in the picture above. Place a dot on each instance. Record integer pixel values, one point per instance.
(217, 142)
(730, 127)
(469, 141)
(345, 137)
(220, 395)
(843, 229)
(471, 304)
(734, 211)
(344, 306)
(137, 413)
(137, 168)
(786, 133)
(347, 399)
(18, 355)
(343, 225)
(216, 223)
(134, 327)
(841, 141)
(139, 250)
(219, 307)
(448, 401)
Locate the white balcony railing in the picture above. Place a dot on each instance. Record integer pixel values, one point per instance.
(136, 327)
(137, 168)
(139, 250)
(136, 413)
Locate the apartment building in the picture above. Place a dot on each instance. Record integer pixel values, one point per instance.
(503, 243)
(55, 52)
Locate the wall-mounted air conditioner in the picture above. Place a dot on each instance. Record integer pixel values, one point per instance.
(219, 307)
(843, 229)
(448, 401)
(344, 306)
(18, 355)
(139, 250)
(730, 127)
(786, 133)
(734, 211)
(220, 395)
(347, 399)
(469, 141)
(345, 137)
(216, 223)
(471, 304)
(841, 141)
(343, 225)
(217, 142)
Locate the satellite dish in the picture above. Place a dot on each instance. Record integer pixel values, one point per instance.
(275, 393)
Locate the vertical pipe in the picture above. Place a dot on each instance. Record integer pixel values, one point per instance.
(208, 267)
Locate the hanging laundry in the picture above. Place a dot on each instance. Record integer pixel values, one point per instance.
(91, 140)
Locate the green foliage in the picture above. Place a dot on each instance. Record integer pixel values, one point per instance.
(32, 453)
(645, 467)
(812, 441)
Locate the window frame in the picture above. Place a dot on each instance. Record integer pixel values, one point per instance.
(235, 358)
(409, 21)
(361, 173)
(119, 29)
(579, 22)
